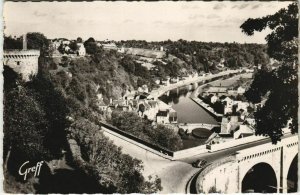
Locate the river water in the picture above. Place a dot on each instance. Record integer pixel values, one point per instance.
(187, 110)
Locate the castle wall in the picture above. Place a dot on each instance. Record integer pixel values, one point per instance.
(24, 62)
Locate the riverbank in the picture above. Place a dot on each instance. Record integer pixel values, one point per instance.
(163, 89)
(210, 110)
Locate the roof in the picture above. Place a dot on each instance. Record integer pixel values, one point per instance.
(223, 97)
(152, 103)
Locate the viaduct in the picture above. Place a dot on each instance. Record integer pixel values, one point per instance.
(267, 168)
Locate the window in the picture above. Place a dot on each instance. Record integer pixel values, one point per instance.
(18, 62)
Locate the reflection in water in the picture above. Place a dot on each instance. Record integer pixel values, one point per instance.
(187, 110)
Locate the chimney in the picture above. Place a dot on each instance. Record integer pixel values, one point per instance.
(24, 42)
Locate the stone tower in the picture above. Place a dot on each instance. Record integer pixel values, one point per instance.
(24, 62)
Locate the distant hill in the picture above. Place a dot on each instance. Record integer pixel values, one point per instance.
(206, 56)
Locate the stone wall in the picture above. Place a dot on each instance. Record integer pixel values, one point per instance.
(24, 62)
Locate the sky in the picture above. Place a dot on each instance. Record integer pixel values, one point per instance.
(150, 21)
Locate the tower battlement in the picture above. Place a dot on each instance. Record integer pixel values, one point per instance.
(20, 53)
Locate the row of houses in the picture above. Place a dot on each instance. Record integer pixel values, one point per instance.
(65, 46)
(145, 106)
(171, 80)
(219, 91)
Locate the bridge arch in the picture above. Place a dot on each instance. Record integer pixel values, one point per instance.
(292, 176)
(260, 178)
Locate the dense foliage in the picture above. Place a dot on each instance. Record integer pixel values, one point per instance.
(34, 120)
(115, 172)
(160, 135)
(279, 86)
(37, 114)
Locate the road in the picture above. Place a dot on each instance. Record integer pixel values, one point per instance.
(163, 89)
(175, 175)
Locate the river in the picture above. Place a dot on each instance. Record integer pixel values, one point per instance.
(187, 110)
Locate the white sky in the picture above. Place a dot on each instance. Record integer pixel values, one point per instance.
(151, 21)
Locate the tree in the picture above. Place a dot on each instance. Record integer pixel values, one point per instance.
(73, 46)
(167, 138)
(12, 43)
(90, 46)
(278, 87)
(34, 120)
(38, 41)
(117, 172)
(161, 135)
(79, 40)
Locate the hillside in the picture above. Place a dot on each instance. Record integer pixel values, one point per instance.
(206, 56)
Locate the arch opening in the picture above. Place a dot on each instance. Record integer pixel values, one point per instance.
(292, 177)
(261, 178)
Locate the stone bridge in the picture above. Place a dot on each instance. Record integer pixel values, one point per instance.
(266, 168)
(191, 126)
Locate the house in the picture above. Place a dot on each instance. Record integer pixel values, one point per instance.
(195, 74)
(65, 42)
(220, 65)
(81, 49)
(156, 80)
(214, 99)
(143, 95)
(250, 121)
(129, 97)
(232, 92)
(243, 131)
(166, 81)
(174, 80)
(109, 46)
(102, 106)
(121, 50)
(56, 44)
(134, 104)
(148, 108)
(218, 91)
(173, 116)
(250, 70)
(162, 117)
(228, 105)
(229, 125)
(241, 90)
(145, 89)
(67, 48)
(116, 103)
(241, 105)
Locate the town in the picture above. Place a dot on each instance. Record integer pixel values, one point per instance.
(136, 116)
